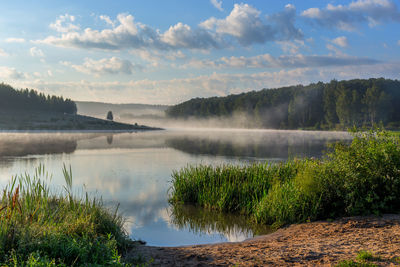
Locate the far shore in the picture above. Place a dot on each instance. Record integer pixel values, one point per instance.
(82, 131)
(62, 122)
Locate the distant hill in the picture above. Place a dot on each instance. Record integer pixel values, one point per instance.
(30, 110)
(333, 105)
(99, 109)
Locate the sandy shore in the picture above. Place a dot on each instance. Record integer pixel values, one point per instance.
(317, 243)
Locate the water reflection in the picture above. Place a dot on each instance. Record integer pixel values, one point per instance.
(234, 227)
(134, 169)
(250, 144)
(110, 139)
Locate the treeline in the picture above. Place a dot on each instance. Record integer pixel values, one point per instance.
(336, 104)
(31, 100)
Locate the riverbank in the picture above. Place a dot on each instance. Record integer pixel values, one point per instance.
(41, 121)
(360, 178)
(323, 243)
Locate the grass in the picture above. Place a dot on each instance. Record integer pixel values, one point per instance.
(364, 258)
(359, 178)
(38, 228)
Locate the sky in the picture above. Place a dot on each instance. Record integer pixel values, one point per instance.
(169, 51)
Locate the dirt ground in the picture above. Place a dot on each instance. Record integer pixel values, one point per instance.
(310, 244)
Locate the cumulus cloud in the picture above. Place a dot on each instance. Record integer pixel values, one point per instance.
(107, 20)
(244, 23)
(3, 53)
(64, 23)
(8, 73)
(112, 65)
(15, 40)
(183, 36)
(334, 49)
(341, 41)
(292, 61)
(291, 47)
(36, 52)
(217, 4)
(128, 34)
(155, 57)
(347, 17)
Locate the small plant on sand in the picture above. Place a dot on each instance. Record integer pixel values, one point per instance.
(364, 258)
(367, 256)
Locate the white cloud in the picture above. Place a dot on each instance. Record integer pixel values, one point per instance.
(64, 24)
(334, 49)
(291, 47)
(15, 40)
(217, 4)
(36, 52)
(269, 61)
(347, 17)
(112, 65)
(155, 57)
(244, 23)
(182, 36)
(341, 41)
(3, 53)
(107, 20)
(8, 73)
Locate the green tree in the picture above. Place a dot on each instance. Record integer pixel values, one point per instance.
(110, 116)
(371, 100)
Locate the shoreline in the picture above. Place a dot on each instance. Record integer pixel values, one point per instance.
(321, 243)
(84, 131)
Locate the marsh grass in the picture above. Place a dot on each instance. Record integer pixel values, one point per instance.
(39, 228)
(359, 178)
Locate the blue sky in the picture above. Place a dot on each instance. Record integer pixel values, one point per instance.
(168, 51)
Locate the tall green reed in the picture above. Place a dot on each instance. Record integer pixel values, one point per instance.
(359, 178)
(59, 227)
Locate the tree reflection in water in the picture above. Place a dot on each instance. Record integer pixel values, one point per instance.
(234, 227)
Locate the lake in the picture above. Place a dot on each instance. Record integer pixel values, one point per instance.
(134, 171)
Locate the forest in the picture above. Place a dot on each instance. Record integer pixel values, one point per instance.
(24, 100)
(333, 105)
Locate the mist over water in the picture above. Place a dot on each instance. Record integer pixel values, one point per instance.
(134, 169)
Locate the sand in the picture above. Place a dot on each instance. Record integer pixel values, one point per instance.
(310, 244)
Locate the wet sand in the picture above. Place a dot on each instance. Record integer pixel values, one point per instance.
(309, 244)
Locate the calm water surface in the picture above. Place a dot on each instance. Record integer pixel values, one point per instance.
(134, 170)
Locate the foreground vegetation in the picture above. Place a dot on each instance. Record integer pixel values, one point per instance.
(38, 228)
(333, 105)
(359, 178)
(366, 258)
